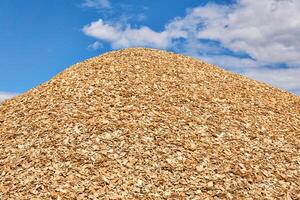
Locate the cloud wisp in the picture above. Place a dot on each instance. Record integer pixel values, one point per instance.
(6, 95)
(98, 4)
(96, 45)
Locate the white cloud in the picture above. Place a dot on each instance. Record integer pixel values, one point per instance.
(287, 79)
(230, 62)
(121, 36)
(98, 4)
(94, 46)
(6, 95)
(267, 30)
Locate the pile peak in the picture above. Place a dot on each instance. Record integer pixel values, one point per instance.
(148, 124)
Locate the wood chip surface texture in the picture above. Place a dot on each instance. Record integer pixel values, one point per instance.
(148, 124)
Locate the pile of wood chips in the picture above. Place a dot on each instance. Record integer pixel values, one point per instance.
(148, 124)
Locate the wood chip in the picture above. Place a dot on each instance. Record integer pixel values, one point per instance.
(148, 124)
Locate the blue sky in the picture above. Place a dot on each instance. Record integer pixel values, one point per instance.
(40, 38)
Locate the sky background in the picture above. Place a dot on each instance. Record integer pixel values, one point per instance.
(40, 38)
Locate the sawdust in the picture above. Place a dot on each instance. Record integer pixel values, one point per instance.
(148, 124)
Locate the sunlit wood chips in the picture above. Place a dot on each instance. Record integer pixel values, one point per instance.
(148, 124)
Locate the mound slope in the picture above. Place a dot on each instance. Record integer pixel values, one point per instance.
(147, 124)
